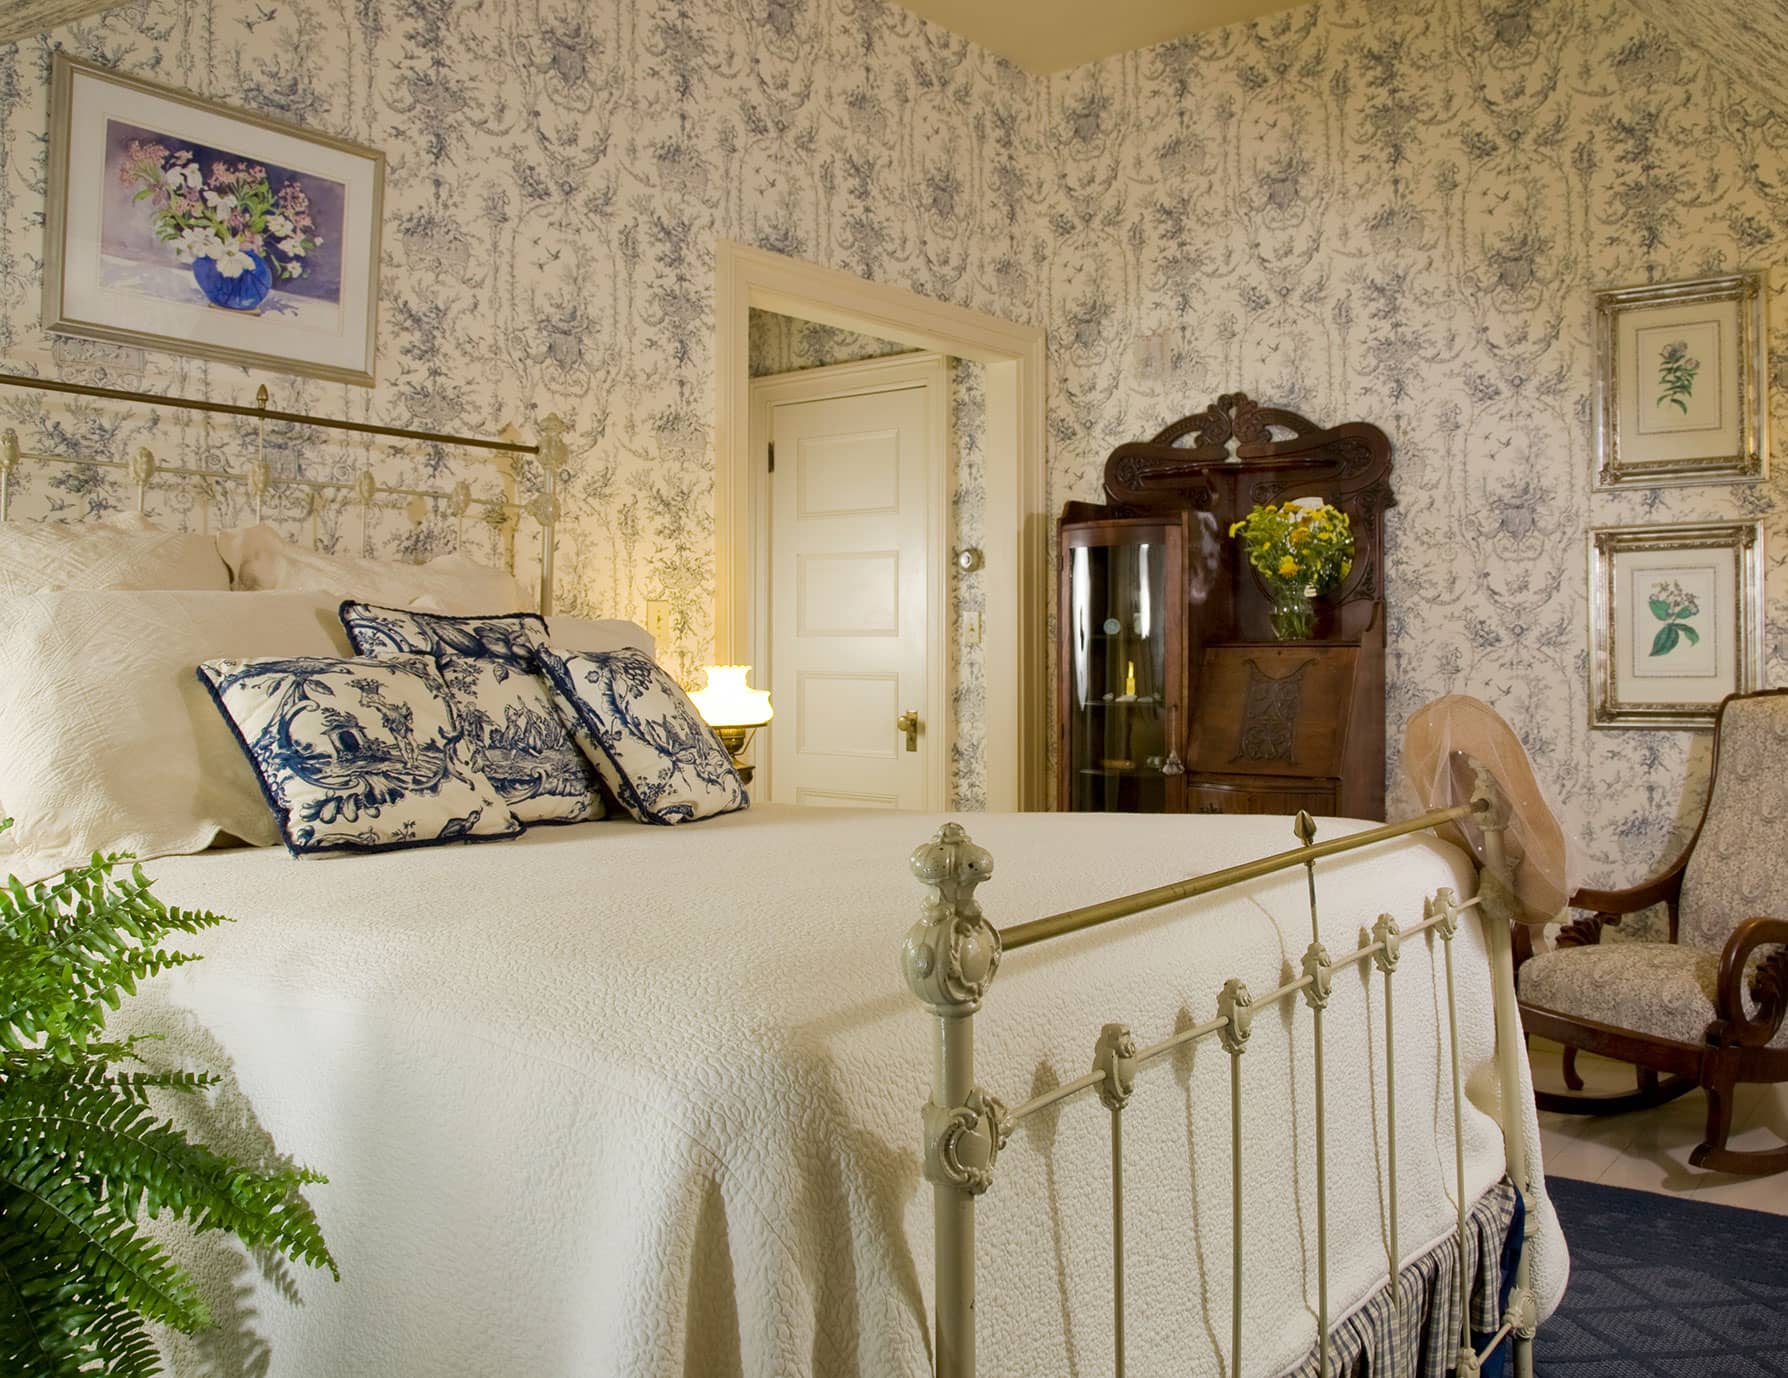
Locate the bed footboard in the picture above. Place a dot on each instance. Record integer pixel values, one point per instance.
(951, 955)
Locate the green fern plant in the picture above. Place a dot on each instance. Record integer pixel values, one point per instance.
(85, 1160)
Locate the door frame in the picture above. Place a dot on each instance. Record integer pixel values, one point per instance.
(891, 373)
(1016, 572)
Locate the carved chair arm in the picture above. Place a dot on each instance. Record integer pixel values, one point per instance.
(1769, 988)
(1608, 906)
(1660, 889)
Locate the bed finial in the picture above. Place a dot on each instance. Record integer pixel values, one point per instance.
(142, 469)
(262, 397)
(952, 952)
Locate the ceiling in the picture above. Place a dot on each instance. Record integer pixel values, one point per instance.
(1052, 35)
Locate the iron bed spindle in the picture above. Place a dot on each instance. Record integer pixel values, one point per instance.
(1237, 1008)
(1385, 940)
(1318, 973)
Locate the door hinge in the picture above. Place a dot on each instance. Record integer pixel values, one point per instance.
(772, 456)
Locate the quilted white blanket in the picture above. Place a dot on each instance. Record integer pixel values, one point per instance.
(623, 1100)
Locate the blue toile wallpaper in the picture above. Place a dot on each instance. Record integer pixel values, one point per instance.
(557, 178)
(1397, 212)
(1388, 209)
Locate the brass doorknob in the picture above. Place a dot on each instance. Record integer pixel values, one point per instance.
(908, 722)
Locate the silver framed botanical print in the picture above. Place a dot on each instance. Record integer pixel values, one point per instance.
(1676, 621)
(175, 223)
(1682, 383)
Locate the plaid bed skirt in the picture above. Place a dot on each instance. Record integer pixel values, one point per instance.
(1415, 1333)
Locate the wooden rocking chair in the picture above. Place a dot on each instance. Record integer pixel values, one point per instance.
(1707, 1007)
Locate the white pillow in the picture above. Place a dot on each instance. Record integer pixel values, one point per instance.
(108, 742)
(598, 634)
(260, 559)
(126, 553)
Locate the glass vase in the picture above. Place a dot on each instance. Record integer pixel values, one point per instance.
(1293, 614)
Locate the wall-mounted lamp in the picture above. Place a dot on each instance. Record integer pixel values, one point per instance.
(733, 709)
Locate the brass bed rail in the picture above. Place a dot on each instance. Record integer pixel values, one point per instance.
(365, 489)
(951, 954)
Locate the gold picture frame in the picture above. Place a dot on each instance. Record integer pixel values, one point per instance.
(1682, 374)
(1676, 621)
(175, 223)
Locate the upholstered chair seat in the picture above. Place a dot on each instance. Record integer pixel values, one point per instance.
(1709, 1007)
(1665, 990)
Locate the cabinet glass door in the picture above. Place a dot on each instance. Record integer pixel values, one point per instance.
(1119, 698)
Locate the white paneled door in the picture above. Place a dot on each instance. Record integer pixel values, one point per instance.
(852, 504)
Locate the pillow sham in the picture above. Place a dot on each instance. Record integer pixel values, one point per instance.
(639, 729)
(516, 734)
(357, 755)
(260, 558)
(108, 743)
(123, 553)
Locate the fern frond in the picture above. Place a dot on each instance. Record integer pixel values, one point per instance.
(50, 1324)
(67, 1217)
(84, 1157)
(142, 1166)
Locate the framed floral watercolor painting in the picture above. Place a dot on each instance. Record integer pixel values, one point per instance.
(1676, 621)
(174, 223)
(1682, 383)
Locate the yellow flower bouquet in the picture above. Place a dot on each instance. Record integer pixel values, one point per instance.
(1301, 549)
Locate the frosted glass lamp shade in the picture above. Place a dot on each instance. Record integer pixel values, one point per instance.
(728, 701)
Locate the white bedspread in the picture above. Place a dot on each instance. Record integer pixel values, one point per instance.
(621, 1100)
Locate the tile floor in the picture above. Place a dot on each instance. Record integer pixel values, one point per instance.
(1649, 1150)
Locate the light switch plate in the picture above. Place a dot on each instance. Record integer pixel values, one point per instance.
(658, 622)
(971, 628)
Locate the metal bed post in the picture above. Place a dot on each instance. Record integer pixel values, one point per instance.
(545, 507)
(1522, 1318)
(9, 460)
(949, 958)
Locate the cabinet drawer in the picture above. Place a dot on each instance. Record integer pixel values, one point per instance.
(1262, 795)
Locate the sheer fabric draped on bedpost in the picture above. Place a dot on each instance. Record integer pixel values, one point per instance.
(949, 958)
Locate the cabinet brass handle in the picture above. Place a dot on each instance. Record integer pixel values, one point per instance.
(908, 722)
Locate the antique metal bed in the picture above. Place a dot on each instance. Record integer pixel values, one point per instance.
(950, 957)
(262, 481)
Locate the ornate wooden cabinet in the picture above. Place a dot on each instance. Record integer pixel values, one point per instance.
(1173, 693)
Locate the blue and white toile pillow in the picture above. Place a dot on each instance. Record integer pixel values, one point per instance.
(643, 735)
(357, 755)
(516, 734)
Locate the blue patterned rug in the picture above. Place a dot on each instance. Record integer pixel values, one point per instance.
(1666, 1288)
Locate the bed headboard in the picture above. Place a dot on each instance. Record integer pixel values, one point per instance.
(282, 493)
